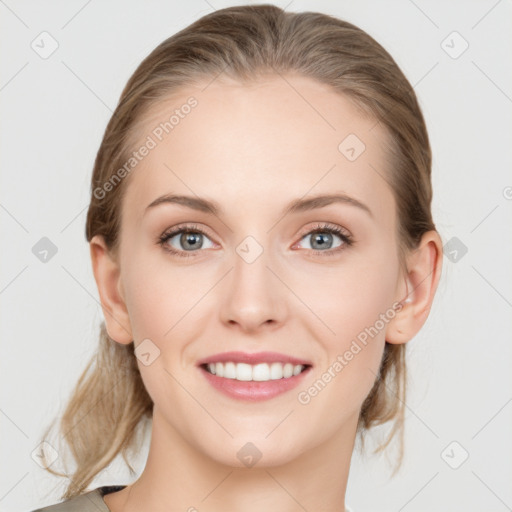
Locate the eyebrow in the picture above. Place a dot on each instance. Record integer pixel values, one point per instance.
(296, 206)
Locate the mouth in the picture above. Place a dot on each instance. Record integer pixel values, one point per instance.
(253, 376)
(253, 382)
(261, 372)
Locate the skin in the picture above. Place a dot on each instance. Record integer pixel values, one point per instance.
(253, 149)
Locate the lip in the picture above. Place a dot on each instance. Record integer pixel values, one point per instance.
(253, 391)
(255, 358)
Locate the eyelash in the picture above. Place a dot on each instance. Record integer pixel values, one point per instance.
(321, 227)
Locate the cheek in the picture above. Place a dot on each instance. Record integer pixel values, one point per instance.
(156, 296)
(352, 306)
(160, 302)
(350, 296)
(357, 309)
(368, 309)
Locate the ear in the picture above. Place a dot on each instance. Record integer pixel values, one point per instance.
(107, 275)
(416, 292)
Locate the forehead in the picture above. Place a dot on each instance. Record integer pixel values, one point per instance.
(259, 144)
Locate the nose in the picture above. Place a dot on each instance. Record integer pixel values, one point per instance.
(253, 298)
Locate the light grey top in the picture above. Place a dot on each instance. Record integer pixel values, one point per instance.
(91, 501)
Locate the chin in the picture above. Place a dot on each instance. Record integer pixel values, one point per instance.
(255, 451)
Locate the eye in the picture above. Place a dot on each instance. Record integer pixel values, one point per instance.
(190, 239)
(321, 239)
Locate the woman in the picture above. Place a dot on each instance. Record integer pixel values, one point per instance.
(263, 245)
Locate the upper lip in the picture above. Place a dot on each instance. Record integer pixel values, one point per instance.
(254, 358)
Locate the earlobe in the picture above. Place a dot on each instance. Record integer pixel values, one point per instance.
(417, 293)
(107, 276)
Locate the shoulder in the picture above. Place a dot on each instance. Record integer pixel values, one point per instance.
(91, 501)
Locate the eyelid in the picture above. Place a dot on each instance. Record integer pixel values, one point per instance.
(180, 228)
(319, 226)
(185, 227)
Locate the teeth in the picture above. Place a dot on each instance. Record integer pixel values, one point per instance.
(258, 372)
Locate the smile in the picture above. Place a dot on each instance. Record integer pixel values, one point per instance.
(259, 372)
(240, 381)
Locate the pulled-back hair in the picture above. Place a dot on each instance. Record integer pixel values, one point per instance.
(109, 403)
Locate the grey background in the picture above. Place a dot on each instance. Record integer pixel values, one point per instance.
(54, 111)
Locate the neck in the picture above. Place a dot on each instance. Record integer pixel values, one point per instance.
(179, 477)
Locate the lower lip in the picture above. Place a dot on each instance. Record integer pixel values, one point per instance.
(253, 390)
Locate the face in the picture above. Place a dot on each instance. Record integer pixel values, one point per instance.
(255, 276)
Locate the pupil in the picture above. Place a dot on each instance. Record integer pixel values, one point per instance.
(187, 238)
(320, 238)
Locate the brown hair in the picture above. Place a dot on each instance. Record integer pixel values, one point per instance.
(109, 402)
